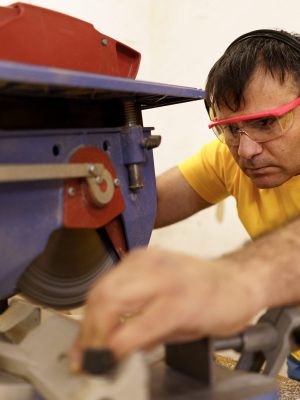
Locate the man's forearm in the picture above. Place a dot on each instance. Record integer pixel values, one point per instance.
(273, 263)
(176, 200)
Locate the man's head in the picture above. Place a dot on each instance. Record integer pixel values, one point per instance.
(259, 73)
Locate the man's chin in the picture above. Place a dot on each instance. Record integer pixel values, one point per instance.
(267, 177)
(268, 181)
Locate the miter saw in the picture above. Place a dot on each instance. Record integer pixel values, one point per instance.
(77, 191)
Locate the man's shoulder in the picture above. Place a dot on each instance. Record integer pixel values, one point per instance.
(220, 155)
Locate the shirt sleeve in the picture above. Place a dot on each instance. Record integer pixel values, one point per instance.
(205, 172)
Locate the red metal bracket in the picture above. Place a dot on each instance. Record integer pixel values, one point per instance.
(79, 209)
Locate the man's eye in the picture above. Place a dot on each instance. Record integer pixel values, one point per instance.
(262, 123)
(232, 129)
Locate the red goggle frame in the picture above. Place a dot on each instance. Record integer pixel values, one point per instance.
(275, 112)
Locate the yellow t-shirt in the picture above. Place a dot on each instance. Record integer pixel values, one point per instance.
(214, 175)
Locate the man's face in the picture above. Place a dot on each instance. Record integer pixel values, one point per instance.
(272, 163)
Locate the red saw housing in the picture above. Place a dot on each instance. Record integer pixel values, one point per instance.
(35, 35)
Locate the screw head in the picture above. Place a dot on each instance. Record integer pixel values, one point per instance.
(98, 179)
(92, 169)
(117, 182)
(71, 191)
(104, 41)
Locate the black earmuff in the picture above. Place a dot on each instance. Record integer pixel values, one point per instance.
(269, 34)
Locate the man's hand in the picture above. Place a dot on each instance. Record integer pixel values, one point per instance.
(157, 296)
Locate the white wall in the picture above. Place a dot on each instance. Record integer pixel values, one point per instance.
(179, 41)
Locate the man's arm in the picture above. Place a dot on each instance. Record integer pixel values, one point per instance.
(176, 199)
(174, 297)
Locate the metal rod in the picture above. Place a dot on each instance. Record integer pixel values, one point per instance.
(34, 172)
(233, 343)
(135, 177)
(133, 117)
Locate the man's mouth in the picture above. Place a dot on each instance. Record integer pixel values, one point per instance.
(259, 170)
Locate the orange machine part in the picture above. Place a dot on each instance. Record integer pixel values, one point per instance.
(115, 232)
(35, 35)
(79, 211)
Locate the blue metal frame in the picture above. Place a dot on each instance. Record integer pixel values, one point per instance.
(30, 211)
(24, 79)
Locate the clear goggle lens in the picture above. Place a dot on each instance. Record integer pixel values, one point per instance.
(259, 129)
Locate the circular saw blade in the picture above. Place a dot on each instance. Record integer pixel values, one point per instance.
(72, 260)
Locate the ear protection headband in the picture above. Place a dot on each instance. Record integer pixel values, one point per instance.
(268, 34)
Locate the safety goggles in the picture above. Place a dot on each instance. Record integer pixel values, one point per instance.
(260, 127)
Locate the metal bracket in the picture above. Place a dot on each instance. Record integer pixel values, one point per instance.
(94, 174)
(268, 358)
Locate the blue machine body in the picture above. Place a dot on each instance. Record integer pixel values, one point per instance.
(30, 211)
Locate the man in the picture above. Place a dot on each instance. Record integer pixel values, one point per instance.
(252, 95)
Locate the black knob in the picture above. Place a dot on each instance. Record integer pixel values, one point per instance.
(98, 361)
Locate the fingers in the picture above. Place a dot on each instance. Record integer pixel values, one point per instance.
(123, 292)
(148, 287)
(95, 330)
(152, 326)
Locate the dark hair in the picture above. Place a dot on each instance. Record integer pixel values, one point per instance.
(276, 52)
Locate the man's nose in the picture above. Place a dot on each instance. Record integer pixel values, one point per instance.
(248, 148)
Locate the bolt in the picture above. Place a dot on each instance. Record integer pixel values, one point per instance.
(98, 179)
(117, 182)
(104, 41)
(92, 169)
(71, 191)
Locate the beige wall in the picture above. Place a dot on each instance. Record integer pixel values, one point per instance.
(179, 41)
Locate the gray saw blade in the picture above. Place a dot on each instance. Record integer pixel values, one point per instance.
(71, 262)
